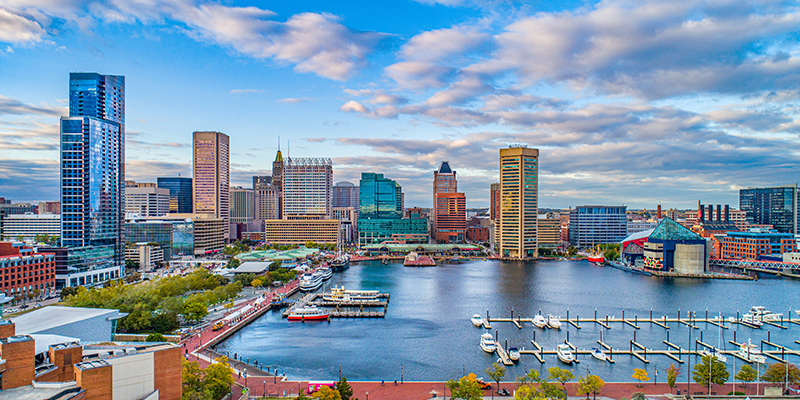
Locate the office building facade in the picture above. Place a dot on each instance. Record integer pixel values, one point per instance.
(267, 202)
(776, 206)
(211, 181)
(451, 217)
(549, 231)
(180, 193)
(307, 188)
(25, 270)
(29, 226)
(348, 224)
(519, 201)
(93, 176)
(381, 211)
(444, 181)
(242, 205)
(261, 181)
(591, 225)
(494, 201)
(147, 201)
(345, 194)
(300, 231)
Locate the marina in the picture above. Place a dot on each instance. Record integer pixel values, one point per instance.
(343, 306)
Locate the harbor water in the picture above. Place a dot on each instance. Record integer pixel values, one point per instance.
(427, 334)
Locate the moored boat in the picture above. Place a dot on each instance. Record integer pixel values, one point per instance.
(477, 320)
(340, 263)
(310, 282)
(599, 354)
(564, 354)
(713, 352)
(539, 321)
(751, 353)
(326, 272)
(308, 313)
(553, 322)
(762, 314)
(487, 343)
(513, 353)
(752, 320)
(340, 294)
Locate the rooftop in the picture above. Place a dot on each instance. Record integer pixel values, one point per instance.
(50, 317)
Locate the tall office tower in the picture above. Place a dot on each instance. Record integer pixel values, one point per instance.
(211, 183)
(147, 201)
(444, 181)
(590, 225)
(267, 205)
(93, 179)
(519, 202)
(307, 188)
(261, 181)
(380, 198)
(494, 201)
(180, 193)
(451, 218)
(277, 178)
(242, 203)
(345, 194)
(776, 206)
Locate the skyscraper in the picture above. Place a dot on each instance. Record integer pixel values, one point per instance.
(93, 179)
(180, 193)
(345, 194)
(444, 181)
(211, 183)
(494, 201)
(381, 211)
(451, 217)
(242, 202)
(307, 188)
(147, 201)
(277, 178)
(260, 181)
(519, 202)
(776, 206)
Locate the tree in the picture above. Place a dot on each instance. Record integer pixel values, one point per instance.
(466, 388)
(718, 374)
(777, 373)
(257, 283)
(561, 376)
(164, 322)
(192, 379)
(747, 374)
(195, 310)
(302, 395)
(155, 337)
(234, 262)
(640, 375)
(590, 384)
(218, 378)
(68, 291)
(138, 320)
(327, 393)
(344, 389)
(497, 372)
(672, 376)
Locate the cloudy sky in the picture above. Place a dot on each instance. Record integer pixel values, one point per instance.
(629, 101)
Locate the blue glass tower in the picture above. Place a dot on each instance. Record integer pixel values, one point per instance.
(93, 179)
(381, 211)
(180, 193)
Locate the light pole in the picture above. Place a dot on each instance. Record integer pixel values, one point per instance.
(367, 395)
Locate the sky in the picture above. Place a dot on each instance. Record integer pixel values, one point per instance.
(628, 101)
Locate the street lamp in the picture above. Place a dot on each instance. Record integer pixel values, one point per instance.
(367, 395)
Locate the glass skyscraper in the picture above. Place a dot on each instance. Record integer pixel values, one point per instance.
(381, 211)
(776, 206)
(93, 179)
(180, 193)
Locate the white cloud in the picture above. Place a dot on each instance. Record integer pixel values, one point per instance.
(19, 30)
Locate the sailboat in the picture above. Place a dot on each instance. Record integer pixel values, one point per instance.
(714, 351)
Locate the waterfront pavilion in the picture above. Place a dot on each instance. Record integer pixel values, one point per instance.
(423, 249)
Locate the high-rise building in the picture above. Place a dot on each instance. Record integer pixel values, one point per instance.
(591, 225)
(277, 178)
(307, 188)
(494, 201)
(260, 181)
(444, 181)
(267, 204)
(345, 194)
(451, 217)
(776, 206)
(147, 201)
(519, 202)
(242, 203)
(348, 223)
(180, 193)
(93, 178)
(211, 183)
(29, 226)
(381, 211)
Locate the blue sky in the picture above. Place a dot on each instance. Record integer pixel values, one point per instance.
(630, 102)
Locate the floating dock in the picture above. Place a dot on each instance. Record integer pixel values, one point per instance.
(341, 308)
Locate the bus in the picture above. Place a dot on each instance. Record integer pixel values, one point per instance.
(313, 386)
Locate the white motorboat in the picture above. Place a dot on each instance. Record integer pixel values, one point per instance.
(310, 282)
(487, 343)
(752, 320)
(599, 354)
(539, 321)
(477, 320)
(553, 322)
(326, 273)
(763, 314)
(713, 352)
(751, 353)
(513, 353)
(564, 354)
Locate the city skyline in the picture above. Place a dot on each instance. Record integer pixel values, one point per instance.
(628, 102)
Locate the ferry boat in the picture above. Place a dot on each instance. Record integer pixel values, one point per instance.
(487, 343)
(713, 352)
(340, 263)
(340, 295)
(539, 321)
(326, 273)
(310, 282)
(513, 353)
(308, 313)
(763, 314)
(564, 354)
(599, 354)
(553, 322)
(751, 353)
(476, 320)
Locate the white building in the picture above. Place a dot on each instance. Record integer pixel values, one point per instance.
(635, 226)
(307, 188)
(27, 226)
(147, 201)
(147, 255)
(242, 203)
(348, 223)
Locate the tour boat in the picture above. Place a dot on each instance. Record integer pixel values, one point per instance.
(477, 320)
(513, 353)
(713, 352)
(340, 295)
(599, 354)
(564, 354)
(487, 343)
(751, 353)
(340, 263)
(752, 320)
(326, 273)
(308, 313)
(539, 321)
(763, 314)
(310, 282)
(553, 322)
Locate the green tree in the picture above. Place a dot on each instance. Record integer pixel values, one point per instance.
(138, 320)
(192, 380)
(257, 282)
(777, 374)
(195, 311)
(218, 378)
(302, 395)
(326, 393)
(640, 375)
(344, 389)
(496, 372)
(710, 370)
(68, 291)
(562, 376)
(747, 374)
(155, 337)
(234, 263)
(164, 323)
(466, 388)
(672, 376)
(590, 384)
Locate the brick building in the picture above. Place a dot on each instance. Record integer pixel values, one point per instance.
(757, 243)
(477, 233)
(24, 270)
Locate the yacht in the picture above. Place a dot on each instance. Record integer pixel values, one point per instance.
(340, 294)
(553, 322)
(599, 354)
(763, 314)
(310, 282)
(751, 353)
(477, 320)
(539, 321)
(564, 354)
(513, 353)
(487, 343)
(308, 313)
(326, 273)
(752, 320)
(713, 352)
